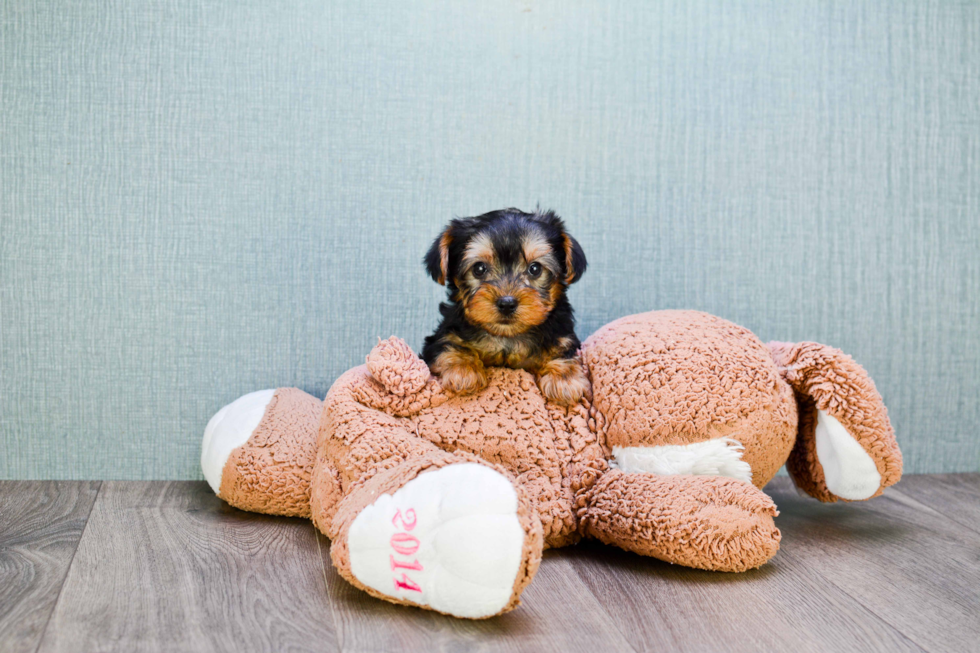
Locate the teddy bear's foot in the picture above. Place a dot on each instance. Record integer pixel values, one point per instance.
(849, 471)
(707, 522)
(845, 447)
(258, 451)
(456, 539)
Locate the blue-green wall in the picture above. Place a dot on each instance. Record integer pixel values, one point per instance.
(203, 199)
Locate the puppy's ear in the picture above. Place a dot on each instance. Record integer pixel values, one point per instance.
(575, 262)
(437, 258)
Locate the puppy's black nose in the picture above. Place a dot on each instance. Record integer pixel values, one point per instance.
(507, 305)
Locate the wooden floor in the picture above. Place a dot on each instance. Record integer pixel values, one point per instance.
(157, 566)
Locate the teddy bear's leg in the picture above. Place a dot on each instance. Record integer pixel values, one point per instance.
(258, 451)
(845, 447)
(707, 522)
(416, 524)
(441, 533)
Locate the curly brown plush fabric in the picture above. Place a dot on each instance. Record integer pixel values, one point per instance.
(827, 379)
(677, 377)
(703, 522)
(271, 472)
(663, 381)
(392, 479)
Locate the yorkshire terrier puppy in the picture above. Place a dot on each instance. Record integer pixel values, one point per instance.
(506, 273)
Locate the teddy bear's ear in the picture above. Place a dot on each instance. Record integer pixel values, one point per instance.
(437, 258)
(397, 367)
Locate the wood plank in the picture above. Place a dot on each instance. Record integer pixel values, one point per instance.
(558, 613)
(914, 568)
(40, 526)
(169, 567)
(957, 496)
(779, 607)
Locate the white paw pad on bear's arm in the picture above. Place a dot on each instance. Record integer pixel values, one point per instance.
(449, 539)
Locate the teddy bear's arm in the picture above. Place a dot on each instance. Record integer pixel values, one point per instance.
(707, 522)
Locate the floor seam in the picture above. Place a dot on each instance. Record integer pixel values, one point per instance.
(64, 581)
(595, 599)
(925, 506)
(877, 616)
(326, 588)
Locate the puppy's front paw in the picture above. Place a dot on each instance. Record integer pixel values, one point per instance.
(463, 380)
(459, 373)
(563, 381)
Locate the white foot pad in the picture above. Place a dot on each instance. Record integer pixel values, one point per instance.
(848, 470)
(231, 427)
(449, 539)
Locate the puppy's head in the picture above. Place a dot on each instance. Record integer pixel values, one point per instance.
(506, 268)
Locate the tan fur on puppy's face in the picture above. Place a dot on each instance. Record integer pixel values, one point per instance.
(481, 309)
(535, 294)
(536, 248)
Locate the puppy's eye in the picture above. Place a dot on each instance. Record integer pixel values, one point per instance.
(479, 270)
(534, 270)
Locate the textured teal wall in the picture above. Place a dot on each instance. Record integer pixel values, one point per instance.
(203, 199)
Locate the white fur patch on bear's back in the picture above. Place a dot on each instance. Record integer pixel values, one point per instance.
(719, 457)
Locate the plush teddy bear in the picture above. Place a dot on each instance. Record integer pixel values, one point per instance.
(446, 502)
